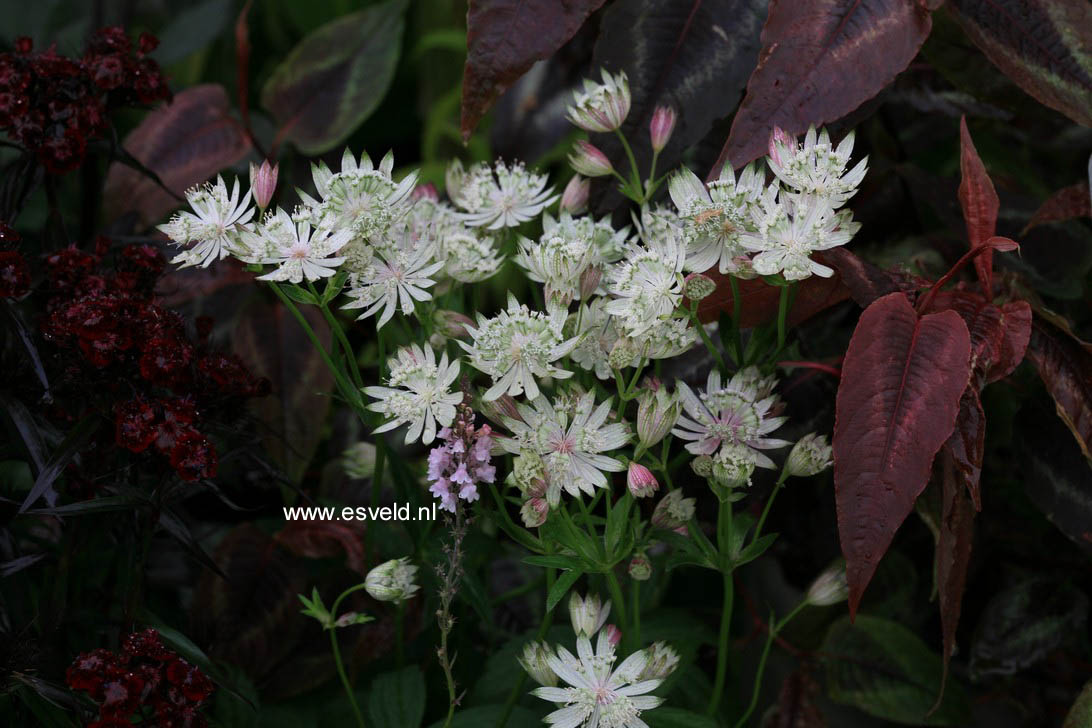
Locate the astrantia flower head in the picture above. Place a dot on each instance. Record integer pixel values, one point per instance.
(807, 224)
(730, 415)
(214, 226)
(518, 346)
(816, 167)
(498, 196)
(595, 330)
(395, 277)
(392, 581)
(607, 244)
(600, 696)
(716, 216)
(418, 392)
(601, 106)
(657, 413)
(673, 511)
(647, 284)
(299, 252)
(810, 455)
(361, 197)
(469, 257)
(533, 661)
(557, 262)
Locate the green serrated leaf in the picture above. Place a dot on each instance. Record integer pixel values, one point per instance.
(617, 525)
(398, 699)
(555, 561)
(300, 295)
(336, 77)
(561, 587)
(754, 549)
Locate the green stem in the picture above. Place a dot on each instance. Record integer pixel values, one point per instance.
(722, 644)
(771, 635)
(783, 306)
(705, 338)
(635, 599)
(343, 340)
(634, 174)
(400, 639)
(337, 656)
(619, 607)
(513, 696)
(769, 503)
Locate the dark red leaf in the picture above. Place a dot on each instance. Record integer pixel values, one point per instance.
(1042, 45)
(999, 334)
(1065, 204)
(865, 281)
(759, 301)
(1064, 363)
(897, 402)
(185, 143)
(967, 445)
(820, 60)
(979, 201)
(796, 704)
(325, 539)
(953, 552)
(504, 38)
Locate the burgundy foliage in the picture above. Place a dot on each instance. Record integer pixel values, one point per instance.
(144, 681)
(1064, 363)
(979, 201)
(1065, 204)
(53, 105)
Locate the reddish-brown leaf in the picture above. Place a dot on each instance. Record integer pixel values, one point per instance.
(185, 143)
(1064, 363)
(999, 334)
(1065, 204)
(759, 301)
(820, 60)
(796, 704)
(504, 38)
(865, 281)
(967, 445)
(979, 201)
(325, 539)
(897, 402)
(1042, 45)
(953, 552)
(273, 345)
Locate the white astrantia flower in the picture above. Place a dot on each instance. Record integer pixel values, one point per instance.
(418, 392)
(815, 166)
(808, 224)
(214, 226)
(396, 276)
(570, 438)
(717, 215)
(600, 695)
(361, 197)
(469, 257)
(647, 284)
(518, 346)
(730, 420)
(595, 330)
(556, 261)
(608, 245)
(299, 252)
(602, 106)
(665, 339)
(498, 196)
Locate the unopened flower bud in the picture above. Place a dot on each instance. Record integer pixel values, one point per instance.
(640, 480)
(779, 139)
(602, 106)
(810, 455)
(427, 191)
(657, 412)
(662, 661)
(452, 324)
(698, 286)
(263, 182)
(392, 581)
(535, 510)
(614, 635)
(589, 281)
(829, 588)
(622, 354)
(673, 510)
(640, 568)
(733, 466)
(661, 126)
(702, 466)
(574, 200)
(534, 660)
(589, 161)
(499, 408)
(359, 460)
(588, 615)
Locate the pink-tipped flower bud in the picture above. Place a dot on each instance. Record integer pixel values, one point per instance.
(588, 160)
(614, 635)
(588, 615)
(263, 182)
(640, 568)
(589, 281)
(427, 191)
(657, 412)
(779, 139)
(640, 480)
(661, 126)
(697, 286)
(574, 200)
(452, 324)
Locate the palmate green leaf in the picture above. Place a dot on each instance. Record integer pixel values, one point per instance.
(336, 77)
(398, 699)
(885, 670)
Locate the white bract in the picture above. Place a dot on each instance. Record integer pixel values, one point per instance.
(361, 197)
(418, 392)
(498, 196)
(300, 252)
(647, 284)
(213, 227)
(395, 277)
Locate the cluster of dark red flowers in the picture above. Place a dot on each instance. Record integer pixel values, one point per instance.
(146, 680)
(14, 272)
(112, 338)
(53, 105)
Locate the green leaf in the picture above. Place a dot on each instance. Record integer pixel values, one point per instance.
(754, 549)
(567, 563)
(677, 718)
(883, 668)
(192, 29)
(300, 295)
(565, 532)
(336, 77)
(398, 699)
(60, 457)
(561, 587)
(617, 525)
(334, 286)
